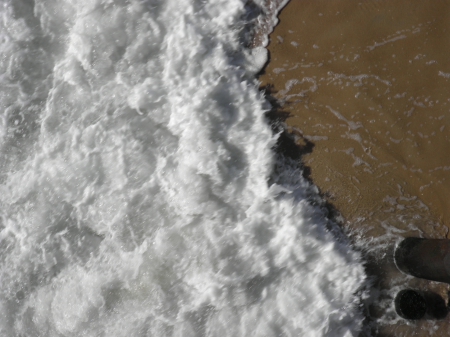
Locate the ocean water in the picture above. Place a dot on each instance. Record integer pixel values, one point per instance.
(140, 193)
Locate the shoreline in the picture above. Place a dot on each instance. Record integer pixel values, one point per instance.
(364, 93)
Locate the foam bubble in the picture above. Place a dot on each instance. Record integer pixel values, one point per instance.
(135, 187)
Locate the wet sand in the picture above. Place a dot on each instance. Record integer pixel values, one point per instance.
(367, 87)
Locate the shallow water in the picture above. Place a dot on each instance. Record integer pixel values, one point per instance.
(135, 169)
(367, 91)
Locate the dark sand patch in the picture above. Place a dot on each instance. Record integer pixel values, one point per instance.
(367, 86)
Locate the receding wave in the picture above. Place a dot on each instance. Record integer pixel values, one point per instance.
(135, 168)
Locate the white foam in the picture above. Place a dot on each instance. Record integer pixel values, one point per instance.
(135, 182)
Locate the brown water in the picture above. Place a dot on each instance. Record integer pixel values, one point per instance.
(368, 85)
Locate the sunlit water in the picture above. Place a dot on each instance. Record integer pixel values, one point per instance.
(135, 170)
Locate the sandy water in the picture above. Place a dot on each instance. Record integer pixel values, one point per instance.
(367, 89)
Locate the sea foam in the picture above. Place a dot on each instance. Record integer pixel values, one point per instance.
(135, 168)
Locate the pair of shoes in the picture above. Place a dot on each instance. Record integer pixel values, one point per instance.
(428, 259)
